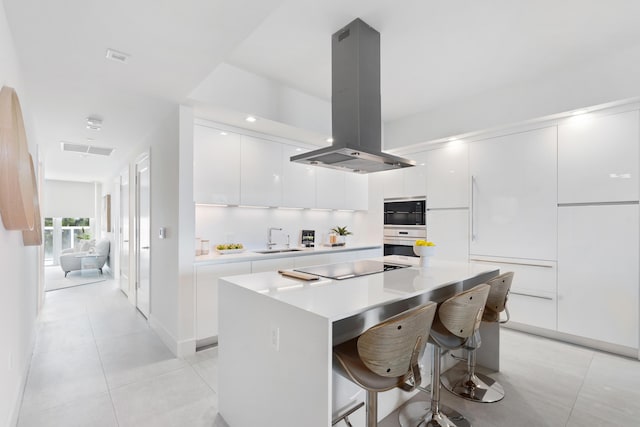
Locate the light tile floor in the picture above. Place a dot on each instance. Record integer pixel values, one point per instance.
(96, 363)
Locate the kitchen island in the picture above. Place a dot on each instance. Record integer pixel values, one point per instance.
(277, 333)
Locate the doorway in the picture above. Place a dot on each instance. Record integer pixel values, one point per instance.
(143, 234)
(124, 232)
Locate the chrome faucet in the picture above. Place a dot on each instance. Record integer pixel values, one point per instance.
(270, 242)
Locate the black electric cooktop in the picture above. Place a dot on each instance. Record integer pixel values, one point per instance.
(348, 270)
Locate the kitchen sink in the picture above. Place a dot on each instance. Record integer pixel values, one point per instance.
(277, 251)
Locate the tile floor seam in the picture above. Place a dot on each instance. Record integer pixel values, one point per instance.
(104, 374)
(203, 378)
(584, 378)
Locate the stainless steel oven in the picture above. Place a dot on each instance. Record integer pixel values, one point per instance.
(399, 241)
(405, 213)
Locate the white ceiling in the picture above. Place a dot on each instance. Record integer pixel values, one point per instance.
(432, 52)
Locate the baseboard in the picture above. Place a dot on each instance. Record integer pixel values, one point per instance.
(178, 348)
(574, 339)
(13, 421)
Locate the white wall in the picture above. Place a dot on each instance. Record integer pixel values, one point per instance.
(19, 266)
(607, 79)
(250, 226)
(239, 90)
(69, 199)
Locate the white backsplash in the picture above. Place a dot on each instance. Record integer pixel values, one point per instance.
(250, 226)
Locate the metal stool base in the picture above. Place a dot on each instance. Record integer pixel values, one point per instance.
(481, 388)
(418, 414)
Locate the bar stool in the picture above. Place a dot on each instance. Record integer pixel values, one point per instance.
(456, 320)
(473, 385)
(386, 356)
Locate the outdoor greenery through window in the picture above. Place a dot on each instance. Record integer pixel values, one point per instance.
(63, 233)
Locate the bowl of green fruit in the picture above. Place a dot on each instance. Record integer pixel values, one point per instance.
(230, 248)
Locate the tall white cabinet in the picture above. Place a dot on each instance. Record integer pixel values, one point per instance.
(598, 253)
(513, 194)
(598, 228)
(447, 179)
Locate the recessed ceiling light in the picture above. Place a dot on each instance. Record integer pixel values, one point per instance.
(223, 133)
(251, 119)
(329, 140)
(117, 56)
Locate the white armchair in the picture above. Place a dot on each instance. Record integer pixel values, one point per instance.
(71, 260)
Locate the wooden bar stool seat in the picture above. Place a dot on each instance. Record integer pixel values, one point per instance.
(386, 356)
(470, 384)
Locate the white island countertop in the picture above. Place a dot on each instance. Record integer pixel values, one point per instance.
(338, 299)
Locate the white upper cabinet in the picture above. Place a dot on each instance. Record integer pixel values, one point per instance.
(406, 182)
(447, 172)
(392, 183)
(216, 166)
(415, 178)
(261, 172)
(356, 191)
(330, 188)
(298, 180)
(514, 203)
(598, 158)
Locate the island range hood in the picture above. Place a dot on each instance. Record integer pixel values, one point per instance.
(355, 106)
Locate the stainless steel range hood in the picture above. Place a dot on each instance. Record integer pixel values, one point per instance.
(355, 106)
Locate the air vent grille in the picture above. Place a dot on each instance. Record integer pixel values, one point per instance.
(86, 149)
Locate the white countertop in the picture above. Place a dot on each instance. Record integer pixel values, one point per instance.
(339, 299)
(248, 255)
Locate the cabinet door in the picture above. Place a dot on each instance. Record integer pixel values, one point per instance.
(298, 180)
(533, 297)
(330, 192)
(261, 178)
(216, 166)
(598, 159)
(356, 192)
(449, 230)
(447, 172)
(415, 178)
(393, 183)
(514, 209)
(598, 273)
(309, 260)
(207, 295)
(271, 264)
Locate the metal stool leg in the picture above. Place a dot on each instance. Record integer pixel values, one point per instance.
(472, 385)
(418, 414)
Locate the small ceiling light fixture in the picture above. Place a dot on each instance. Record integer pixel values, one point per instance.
(94, 123)
(223, 133)
(329, 140)
(117, 56)
(251, 119)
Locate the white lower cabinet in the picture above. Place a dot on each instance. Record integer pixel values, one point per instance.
(207, 294)
(276, 264)
(309, 260)
(598, 252)
(532, 299)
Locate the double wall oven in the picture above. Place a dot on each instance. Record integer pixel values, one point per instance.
(404, 223)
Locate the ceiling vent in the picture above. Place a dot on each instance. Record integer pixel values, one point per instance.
(85, 149)
(117, 56)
